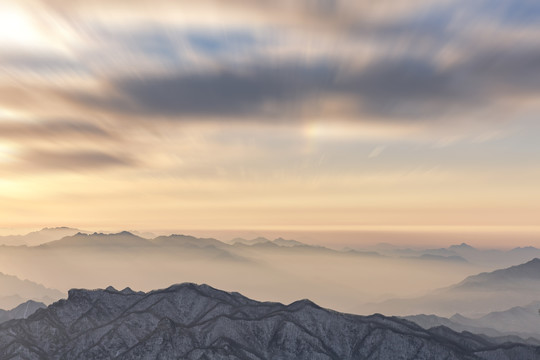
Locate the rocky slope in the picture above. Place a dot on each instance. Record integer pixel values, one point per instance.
(191, 321)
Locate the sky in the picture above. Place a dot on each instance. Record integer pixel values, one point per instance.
(307, 115)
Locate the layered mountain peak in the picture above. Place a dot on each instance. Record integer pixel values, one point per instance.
(523, 272)
(255, 241)
(187, 240)
(124, 238)
(42, 236)
(462, 246)
(284, 242)
(58, 228)
(124, 233)
(125, 291)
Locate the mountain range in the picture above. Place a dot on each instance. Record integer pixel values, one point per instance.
(522, 321)
(191, 321)
(494, 258)
(14, 291)
(342, 279)
(476, 295)
(38, 237)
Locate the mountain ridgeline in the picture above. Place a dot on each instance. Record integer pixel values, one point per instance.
(479, 294)
(14, 291)
(189, 321)
(22, 311)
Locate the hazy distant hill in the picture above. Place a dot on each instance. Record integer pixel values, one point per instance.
(430, 321)
(507, 327)
(199, 322)
(284, 242)
(482, 293)
(294, 247)
(122, 239)
(338, 279)
(431, 257)
(38, 237)
(22, 311)
(127, 239)
(262, 240)
(493, 258)
(131, 245)
(14, 291)
(212, 247)
(505, 279)
(187, 240)
(257, 240)
(517, 320)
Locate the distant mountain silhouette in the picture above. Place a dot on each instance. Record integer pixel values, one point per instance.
(431, 257)
(507, 327)
(121, 239)
(431, 321)
(127, 240)
(262, 240)
(191, 321)
(477, 294)
(284, 242)
(255, 241)
(521, 320)
(38, 237)
(493, 258)
(509, 278)
(14, 291)
(187, 240)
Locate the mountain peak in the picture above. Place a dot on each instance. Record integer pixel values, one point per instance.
(57, 228)
(124, 238)
(289, 243)
(258, 240)
(529, 271)
(533, 263)
(463, 246)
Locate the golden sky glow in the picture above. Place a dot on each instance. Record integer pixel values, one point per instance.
(269, 115)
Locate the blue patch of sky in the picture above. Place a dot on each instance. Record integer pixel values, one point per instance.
(154, 43)
(157, 44)
(171, 45)
(222, 43)
(516, 13)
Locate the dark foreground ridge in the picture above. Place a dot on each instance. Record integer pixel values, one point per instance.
(189, 321)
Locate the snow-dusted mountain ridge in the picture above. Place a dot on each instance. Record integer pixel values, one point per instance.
(191, 321)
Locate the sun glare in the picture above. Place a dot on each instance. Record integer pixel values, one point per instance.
(18, 29)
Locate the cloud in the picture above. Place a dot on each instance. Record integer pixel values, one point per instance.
(400, 89)
(70, 160)
(434, 62)
(48, 130)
